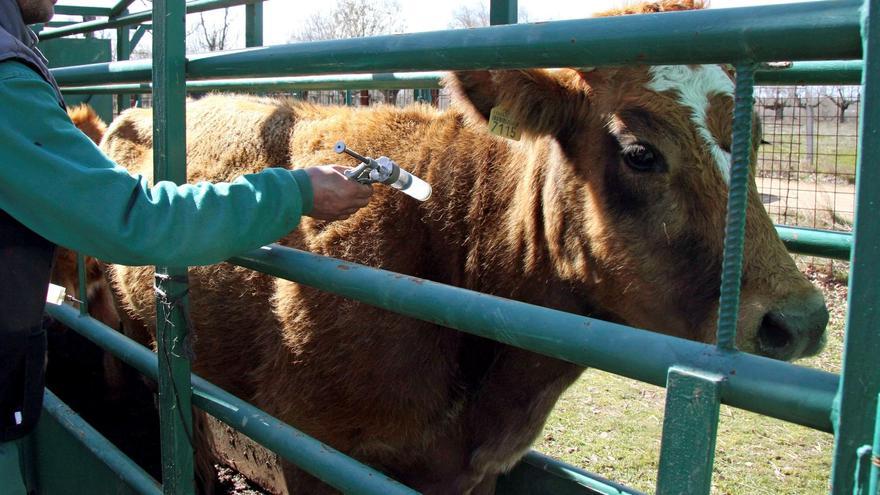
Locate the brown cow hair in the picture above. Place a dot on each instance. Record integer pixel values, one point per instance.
(655, 7)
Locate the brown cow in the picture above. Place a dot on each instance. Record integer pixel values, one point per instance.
(612, 206)
(64, 268)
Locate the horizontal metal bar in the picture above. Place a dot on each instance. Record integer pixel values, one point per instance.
(772, 388)
(812, 73)
(82, 10)
(804, 31)
(804, 73)
(346, 81)
(816, 242)
(135, 18)
(120, 464)
(540, 463)
(321, 460)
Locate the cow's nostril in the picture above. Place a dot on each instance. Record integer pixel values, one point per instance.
(774, 337)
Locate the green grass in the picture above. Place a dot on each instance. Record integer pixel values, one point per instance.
(612, 426)
(786, 155)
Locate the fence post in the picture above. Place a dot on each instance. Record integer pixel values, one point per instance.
(253, 26)
(690, 427)
(169, 128)
(123, 52)
(502, 12)
(856, 408)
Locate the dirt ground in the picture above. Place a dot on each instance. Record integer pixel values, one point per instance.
(784, 198)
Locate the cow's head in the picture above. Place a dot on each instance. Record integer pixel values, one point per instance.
(634, 196)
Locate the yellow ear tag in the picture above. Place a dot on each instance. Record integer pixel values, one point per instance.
(502, 124)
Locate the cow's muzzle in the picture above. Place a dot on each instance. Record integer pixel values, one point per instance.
(795, 330)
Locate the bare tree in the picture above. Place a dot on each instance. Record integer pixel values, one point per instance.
(211, 35)
(354, 19)
(470, 16)
(477, 15)
(775, 99)
(843, 97)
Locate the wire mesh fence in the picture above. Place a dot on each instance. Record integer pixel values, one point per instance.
(806, 166)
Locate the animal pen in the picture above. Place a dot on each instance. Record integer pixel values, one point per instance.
(824, 40)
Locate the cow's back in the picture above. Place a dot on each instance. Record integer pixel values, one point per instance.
(226, 137)
(267, 339)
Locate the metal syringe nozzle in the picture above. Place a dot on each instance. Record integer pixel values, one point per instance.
(340, 147)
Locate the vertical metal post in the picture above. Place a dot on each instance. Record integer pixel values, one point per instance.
(860, 380)
(83, 292)
(169, 138)
(690, 427)
(253, 24)
(123, 52)
(874, 484)
(734, 236)
(348, 101)
(502, 12)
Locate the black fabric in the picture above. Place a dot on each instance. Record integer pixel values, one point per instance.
(25, 267)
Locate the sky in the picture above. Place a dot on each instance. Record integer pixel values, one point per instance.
(281, 18)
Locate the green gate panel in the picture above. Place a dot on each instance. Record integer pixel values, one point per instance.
(80, 51)
(69, 456)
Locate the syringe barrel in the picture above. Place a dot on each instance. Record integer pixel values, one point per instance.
(409, 184)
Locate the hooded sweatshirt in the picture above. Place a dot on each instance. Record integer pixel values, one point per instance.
(17, 41)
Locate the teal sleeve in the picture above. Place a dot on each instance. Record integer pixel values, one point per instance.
(54, 180)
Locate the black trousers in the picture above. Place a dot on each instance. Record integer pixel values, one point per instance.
(25, 267)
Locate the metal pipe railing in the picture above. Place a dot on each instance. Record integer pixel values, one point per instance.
(815, 242)
(758, 384)
(812, 73)
(860, 378)
(82, 10)
(134, 18)
(321, 460)
(806, 31)
(412, 80)
(801, 73)
(120, 7)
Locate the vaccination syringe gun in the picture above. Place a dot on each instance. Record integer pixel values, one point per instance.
(383, 170)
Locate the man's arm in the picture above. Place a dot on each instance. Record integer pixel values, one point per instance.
(56, 182)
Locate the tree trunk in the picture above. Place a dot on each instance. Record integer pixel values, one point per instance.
(391, 97)
(810, 135)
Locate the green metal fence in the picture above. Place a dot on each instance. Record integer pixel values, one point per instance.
(822, 31)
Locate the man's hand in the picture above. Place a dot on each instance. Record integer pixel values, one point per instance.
(336, 197)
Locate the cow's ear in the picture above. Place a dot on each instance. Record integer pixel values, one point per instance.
(541, 102)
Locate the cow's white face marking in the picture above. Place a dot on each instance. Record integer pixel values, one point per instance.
(695, 85)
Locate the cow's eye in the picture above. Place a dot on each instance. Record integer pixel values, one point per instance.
(642, 158)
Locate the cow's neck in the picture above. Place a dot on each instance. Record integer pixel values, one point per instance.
(494, 234)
